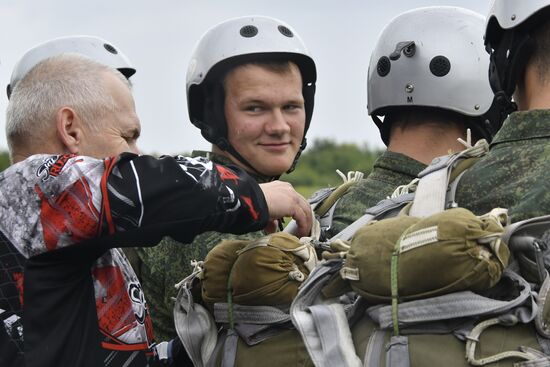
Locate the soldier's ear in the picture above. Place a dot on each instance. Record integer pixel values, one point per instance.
(69, 129)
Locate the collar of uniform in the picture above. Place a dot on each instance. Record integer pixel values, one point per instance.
(223, 160)
(524, 125)
(398, 162)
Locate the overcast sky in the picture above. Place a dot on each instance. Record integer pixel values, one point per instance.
(159, 36)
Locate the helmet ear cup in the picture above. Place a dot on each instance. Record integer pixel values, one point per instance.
(208, 133)
(214, 125)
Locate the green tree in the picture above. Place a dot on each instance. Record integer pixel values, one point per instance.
(4, 160)
(318, 164)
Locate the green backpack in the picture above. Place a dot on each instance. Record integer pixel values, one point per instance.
(411, 258)
(435, 288)
(266, 271)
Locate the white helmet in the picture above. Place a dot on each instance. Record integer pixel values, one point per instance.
(236, 42)
(508, 40)
(432, 57)
(94, 48)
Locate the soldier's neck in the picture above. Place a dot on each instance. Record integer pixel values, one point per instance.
(533, 92)
(425, 142)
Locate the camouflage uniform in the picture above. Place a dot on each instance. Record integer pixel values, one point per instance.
(390, 170)
(514, 174)
(162, 266)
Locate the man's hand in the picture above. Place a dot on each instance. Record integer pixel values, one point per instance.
(283, 201)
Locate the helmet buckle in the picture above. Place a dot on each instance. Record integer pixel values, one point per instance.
(407, 47)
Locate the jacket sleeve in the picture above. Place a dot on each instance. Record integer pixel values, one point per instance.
(180, 197)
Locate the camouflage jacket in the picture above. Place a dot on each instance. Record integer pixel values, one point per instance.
(390, 170)
(162, 266)
(515, 174)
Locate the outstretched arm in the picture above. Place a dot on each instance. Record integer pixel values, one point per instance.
(198, 195)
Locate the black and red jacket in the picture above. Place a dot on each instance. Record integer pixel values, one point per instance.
(68, 296)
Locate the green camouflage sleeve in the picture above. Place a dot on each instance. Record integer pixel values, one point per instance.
(163, 266)
(353, 205)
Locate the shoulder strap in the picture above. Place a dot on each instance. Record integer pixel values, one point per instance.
(380, 209)
(431, 192)
(323, 201)
(458, 304)
(194, 324)
(323, 325)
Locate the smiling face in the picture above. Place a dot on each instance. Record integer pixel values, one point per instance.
(265, 114)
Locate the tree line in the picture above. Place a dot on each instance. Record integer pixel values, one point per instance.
(317, 165)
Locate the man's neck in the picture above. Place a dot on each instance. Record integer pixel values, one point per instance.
(533, 93)
(425, 142)
(20, 151)
(229, 157)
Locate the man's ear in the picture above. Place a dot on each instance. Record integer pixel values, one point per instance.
(69, 129)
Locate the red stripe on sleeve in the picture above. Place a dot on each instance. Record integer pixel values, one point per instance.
(106, 206)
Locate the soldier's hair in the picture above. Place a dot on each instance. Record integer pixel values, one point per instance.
(415, 115)
(275, 66)
(405, 117)
(67, 80)
(540, 56)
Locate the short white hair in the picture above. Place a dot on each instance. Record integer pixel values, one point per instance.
(67, 80)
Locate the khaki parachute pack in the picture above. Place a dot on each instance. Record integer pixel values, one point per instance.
(411, 258)
(421, 273)
(266, 271)
(443, 327)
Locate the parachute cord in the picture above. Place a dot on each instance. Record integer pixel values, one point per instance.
(230, 315)
(473, 339)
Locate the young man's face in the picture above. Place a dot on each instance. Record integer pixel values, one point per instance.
(265, 116)
(118, 130)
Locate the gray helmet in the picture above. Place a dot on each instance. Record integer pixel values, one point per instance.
(229, 44)
(94, 48)
(508, 40)
(432, 57)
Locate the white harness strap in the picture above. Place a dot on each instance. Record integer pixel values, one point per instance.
(432, 188)
(431, 192)
(323, 324)
(195, 325)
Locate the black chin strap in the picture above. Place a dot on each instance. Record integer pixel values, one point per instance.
(383, 128)
(224, 145)
(295, 162)
(508, 59)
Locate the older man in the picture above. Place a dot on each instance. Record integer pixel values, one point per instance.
(64, 209)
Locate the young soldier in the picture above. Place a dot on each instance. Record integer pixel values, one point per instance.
(250, 88)
(513, 174)
(428, 80)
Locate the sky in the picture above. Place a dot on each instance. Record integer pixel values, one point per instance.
(159, 37)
